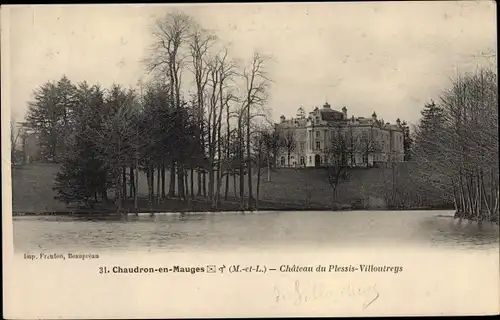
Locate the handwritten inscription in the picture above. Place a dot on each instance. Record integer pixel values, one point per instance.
(300, 293)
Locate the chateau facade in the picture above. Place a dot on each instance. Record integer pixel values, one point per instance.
(313, 141)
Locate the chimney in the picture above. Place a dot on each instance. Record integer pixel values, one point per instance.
(344, 111)
(398, 122)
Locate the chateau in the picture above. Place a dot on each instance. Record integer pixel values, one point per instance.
(313, 141)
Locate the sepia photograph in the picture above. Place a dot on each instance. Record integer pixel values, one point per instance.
(252, 159)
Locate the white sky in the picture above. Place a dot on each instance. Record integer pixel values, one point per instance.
(387, 57)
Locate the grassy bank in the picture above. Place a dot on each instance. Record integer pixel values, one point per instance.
(287, 189)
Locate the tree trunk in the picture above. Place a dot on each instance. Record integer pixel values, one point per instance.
(148, 177)
(234, 186)
(492, 188)
(204, 184)
(219, 161)
(180, 181)
(468, 197)
(191, 177)
(258, 183)
(479, 196)
(249, 161)
(163, 195)
(228, 153)
(495, 207)
(226, 191)
(186, 183)
(488, 210)
(268, 171)
(201, 174)
(118, 195)
(333, 198)
(104, 195)
(132, 181)
(242, 167)
(153, 184)
(158, 181)
(199, 183)
(219, 185)
(124, 182)
(171, 184)
(462, 195)
(454, 196)
(211, 182)
(136, 188)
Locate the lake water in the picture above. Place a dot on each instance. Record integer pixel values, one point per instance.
(262, 230)
(439, 260)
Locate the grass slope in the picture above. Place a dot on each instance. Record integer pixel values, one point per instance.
(301, 188)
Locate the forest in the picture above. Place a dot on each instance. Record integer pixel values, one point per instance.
(103, 137)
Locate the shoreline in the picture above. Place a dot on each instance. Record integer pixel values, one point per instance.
(103, 214)
(143, 212)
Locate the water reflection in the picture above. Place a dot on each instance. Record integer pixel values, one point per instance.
(255, 230)
(462, 233)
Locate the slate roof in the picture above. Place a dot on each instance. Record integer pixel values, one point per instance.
(331, 115)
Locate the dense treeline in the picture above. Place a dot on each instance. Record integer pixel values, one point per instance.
(456, 145)
(103, 137)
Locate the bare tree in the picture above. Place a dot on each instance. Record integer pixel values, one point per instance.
(366, 145)
(256, 84)
(273, 145)
(200, 42)
(168, 57)
(221, 72)
(337, 153)
(262, 155)
(456, 145)
(289, 142)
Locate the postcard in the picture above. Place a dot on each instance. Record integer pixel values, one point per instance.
(250, 160)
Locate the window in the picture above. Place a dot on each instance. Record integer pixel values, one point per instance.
(365, 158)
(282, 160)
(317, 134)
(318, 145)
(302, 161)
(310, 159)
(302, 147)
